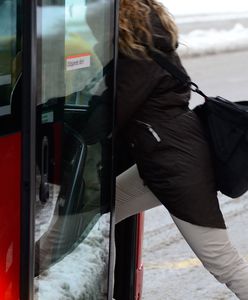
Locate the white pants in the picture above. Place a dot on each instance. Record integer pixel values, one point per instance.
(211, 245)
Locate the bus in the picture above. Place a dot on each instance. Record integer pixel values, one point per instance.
(57, 101)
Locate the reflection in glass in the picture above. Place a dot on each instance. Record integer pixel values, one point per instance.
(10, 56)
(73, 156)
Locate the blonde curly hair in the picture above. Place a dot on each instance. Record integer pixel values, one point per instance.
(135, 29)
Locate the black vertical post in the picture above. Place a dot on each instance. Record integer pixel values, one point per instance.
(115, 13)
(28, 147)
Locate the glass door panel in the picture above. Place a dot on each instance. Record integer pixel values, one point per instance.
(74, 119)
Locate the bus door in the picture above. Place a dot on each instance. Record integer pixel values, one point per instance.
(56, 99)
(75, 52)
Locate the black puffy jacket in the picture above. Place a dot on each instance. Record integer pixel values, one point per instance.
(166, 138)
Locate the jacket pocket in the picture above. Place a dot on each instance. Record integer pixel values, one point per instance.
(144, 138)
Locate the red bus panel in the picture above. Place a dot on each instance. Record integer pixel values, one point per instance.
(10, 165)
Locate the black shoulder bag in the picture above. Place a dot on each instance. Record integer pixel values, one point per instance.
(226, 126)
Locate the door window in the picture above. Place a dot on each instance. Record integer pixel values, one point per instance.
(74, 112)
(10, 55)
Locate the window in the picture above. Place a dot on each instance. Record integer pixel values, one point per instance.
(10, 55)
(74, 112)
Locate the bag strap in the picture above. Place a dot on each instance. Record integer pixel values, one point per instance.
(167, 65)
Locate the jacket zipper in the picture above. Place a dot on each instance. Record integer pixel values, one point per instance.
(153, 132)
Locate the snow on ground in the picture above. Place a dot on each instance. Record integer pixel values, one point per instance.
(79, 275)
(44, 211)
(211, 40)
(202, 42)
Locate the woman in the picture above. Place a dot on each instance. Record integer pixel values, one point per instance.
(167, 143)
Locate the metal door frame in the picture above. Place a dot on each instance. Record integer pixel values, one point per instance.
(28, 112)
